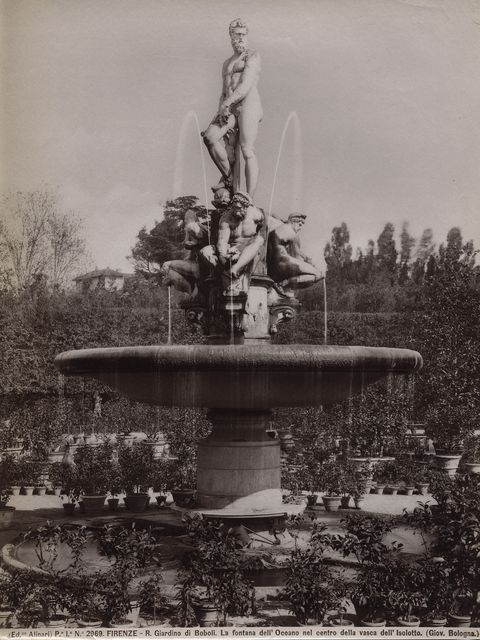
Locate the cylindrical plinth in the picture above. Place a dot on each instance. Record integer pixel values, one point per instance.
(239, 464)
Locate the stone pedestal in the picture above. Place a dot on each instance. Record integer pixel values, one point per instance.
(239, 465)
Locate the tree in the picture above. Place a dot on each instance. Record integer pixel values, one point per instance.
(37, 239)
(387, 253)
(447, 333)
(338, 253)
(165, 240)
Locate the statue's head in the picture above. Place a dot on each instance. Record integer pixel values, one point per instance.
(238, 35)
(240, 203)
(297, 220)
(221, 198)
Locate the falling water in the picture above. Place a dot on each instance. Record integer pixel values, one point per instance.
(169, 339)
(179, 160)
(297, 163)
(325, 327)
(232, 326)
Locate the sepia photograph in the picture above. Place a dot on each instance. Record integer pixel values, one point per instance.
(240, 319)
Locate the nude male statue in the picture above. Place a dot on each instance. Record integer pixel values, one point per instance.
(288, 267)
(239, 113)
(184, 274)
(239, 241)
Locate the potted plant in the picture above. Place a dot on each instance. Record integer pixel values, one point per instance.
(448, 422)
(406, 593)
(391, 474)
(7, 465)
(471, 454)
(160, 475)
(114, 486)
(129, 550)
(26, 473)
(370, 595)
(94, 467)
(311, 588)
(65, 476)
(330, 479)
(184, 481)
(136, 464)
(212, 583)
(437, 591)
(151, 597)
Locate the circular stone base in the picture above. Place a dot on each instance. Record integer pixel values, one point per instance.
(237, 514)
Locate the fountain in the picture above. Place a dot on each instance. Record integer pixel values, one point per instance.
(243, 268)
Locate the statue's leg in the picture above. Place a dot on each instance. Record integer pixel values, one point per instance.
(299, 282)
(213, 139)
(247, 255)
(181, 274)
(248, 121)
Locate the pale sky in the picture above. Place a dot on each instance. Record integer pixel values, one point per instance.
(387, 95)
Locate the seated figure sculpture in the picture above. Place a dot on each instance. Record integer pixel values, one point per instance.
(184, 274)
(288, 267)
(238, 244)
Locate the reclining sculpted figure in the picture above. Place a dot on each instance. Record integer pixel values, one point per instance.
(288, 267)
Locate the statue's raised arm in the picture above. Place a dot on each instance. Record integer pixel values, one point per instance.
(235, 126)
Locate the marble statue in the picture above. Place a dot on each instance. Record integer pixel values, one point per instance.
(238, 245)
(288, 267)
(184, 275)
(235, 125)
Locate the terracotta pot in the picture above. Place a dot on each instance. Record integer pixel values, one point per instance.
(29, 490)
(345, 502)
(161, 500)
(6, 516)
(393, 490)
(206, 613)
(112, 504)
(69, 508)
(57, 491)
(57, 620)
(312, 499)
(41, 491)
(472, 467)
(124, 623)
(5, 617)
(435, 622)
(359, 502)
(136, 501)
(15, 490)
(422, 488)
(409, 490)
(89, 622)
(331, 503)
(93, 504)
(184, 497)
(455, 620)
(448, 463)
(379, 488)
(412, 622)
(374, 623)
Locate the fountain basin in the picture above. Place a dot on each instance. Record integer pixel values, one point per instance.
(239, 376)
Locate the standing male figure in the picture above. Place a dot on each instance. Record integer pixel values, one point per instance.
(239, 113)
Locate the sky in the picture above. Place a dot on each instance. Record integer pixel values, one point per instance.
(98, 95)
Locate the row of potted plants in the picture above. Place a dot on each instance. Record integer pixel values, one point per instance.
(110, 469)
